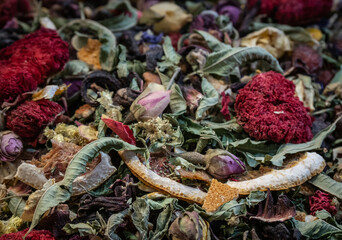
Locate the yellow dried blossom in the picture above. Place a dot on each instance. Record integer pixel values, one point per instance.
(65, 133)
(156, 129)
(10, 226)
(90, 53)
(112, 111)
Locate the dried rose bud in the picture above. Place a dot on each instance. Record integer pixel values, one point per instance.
(192, 97)
(189, 226)
(221, 164)
(11, 146)
(151, 102)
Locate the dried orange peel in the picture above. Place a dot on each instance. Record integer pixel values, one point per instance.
(296, 173)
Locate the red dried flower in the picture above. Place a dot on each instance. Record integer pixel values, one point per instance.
(43, 48)
(16, 79)
(293, 12)
(267, 109)
(31, 117)
(225, 106)
(306, 57)
(10, 8)
(27, 62)
(33, 235)
(174, 39)
(321, 201)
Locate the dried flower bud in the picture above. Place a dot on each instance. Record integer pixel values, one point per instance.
(221, 164)
(189, 226)
(151, 102)
(11, 146)
(192, 97)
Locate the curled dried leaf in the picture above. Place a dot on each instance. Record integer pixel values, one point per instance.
(281, 211)
(95, 178)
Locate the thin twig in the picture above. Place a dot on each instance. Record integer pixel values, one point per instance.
(173, 78)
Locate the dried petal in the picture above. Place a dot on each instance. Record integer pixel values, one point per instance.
(123, 131)
(268, 212)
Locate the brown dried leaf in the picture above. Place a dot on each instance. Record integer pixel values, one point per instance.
(282, 211)
(33, 200)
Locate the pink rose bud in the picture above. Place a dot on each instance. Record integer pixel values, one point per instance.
(10, 146)
(154, 104)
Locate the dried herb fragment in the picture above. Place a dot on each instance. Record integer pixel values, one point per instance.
(281, 211)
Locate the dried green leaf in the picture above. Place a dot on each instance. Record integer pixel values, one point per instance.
(291, 148)
(327, 184)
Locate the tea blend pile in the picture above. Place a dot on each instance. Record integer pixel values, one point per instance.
(190, 120)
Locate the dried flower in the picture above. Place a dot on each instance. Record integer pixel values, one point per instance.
(10, 8)
(123, 131)
(151, 102)
(48, 58)
(271, 39)
(225, 106)
(151, 39)
(172, 17)
(98, 81)
(65, 133)
(90, 53)
(10, 146)
(113, 111)
(189, 226)
(174, 39)
(221, 164)
(307, 58)
(321, 201)
(293, 12)
(192, 97)
(229, 8)
(29, 118)
(204, 22)
(26, 63)
(156, 129)
(10, 226)
(33, 235)
(267, 109)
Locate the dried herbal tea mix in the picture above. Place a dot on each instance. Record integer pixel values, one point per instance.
(152, 119)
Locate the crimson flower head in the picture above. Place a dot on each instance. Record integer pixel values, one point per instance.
(321, 201)
(31, 117)
(293, 12)
(33, 235)
(268, 109)
(27, 62)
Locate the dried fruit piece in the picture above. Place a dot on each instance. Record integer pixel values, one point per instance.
(218, 194)
(298, 172)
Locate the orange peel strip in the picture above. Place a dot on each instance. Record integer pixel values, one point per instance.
(309, 165)
(162, 184)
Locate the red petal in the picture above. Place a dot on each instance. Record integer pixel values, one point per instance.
(123, 131)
